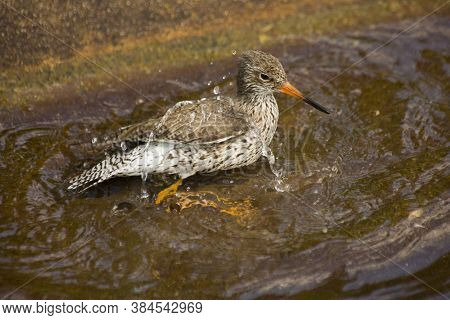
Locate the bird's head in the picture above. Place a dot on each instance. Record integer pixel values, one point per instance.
(260, 72)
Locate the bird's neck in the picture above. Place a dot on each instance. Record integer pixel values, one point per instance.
(262, 109)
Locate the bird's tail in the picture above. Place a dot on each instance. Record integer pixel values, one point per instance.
(149, 158)
(100, 172)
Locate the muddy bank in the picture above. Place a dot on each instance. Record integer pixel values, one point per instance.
(69, 52)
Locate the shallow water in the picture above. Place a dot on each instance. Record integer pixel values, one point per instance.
(361, 211)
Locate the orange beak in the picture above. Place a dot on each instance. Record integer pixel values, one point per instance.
(289, 89)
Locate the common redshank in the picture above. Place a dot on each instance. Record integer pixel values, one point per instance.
(208, 135)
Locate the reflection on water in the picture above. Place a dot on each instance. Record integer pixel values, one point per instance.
(366, 196)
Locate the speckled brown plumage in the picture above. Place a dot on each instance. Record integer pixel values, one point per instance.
(219, 133)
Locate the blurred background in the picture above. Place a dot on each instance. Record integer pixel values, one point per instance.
(360, 212)
(48, 46)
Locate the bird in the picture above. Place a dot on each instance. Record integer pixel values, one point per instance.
(213, 134)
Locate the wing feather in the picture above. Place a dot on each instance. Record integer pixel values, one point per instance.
(207, 121)
(204, 122)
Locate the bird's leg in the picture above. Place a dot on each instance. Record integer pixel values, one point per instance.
(168, 191)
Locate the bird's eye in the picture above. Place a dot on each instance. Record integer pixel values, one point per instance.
(264, 76)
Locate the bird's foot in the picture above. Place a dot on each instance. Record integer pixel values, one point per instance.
(163, 194)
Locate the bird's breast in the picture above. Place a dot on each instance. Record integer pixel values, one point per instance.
(267, 119)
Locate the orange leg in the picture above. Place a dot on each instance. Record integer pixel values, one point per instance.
(168, 191)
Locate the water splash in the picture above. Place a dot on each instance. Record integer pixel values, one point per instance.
(144, 192)
(279, 183)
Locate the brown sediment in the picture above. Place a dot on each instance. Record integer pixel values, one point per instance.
(242, 210)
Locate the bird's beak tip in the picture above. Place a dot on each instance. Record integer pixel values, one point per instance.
(289, 89)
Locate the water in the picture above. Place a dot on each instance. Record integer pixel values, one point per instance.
(366, 200)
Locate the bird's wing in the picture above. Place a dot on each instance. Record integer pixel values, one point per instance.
(207, 121)
(128, 137)
(139, 132)
(136, 132)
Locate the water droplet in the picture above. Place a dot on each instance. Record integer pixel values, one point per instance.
(279, 186)
(144, 194)
(415, 213)
(209, 83)
(211, 63)
(159, 70)
(325, 230)
(234, 52)
(377, 112)
(418, 225)
(216, 90)
(94, 140)
(224, 77)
